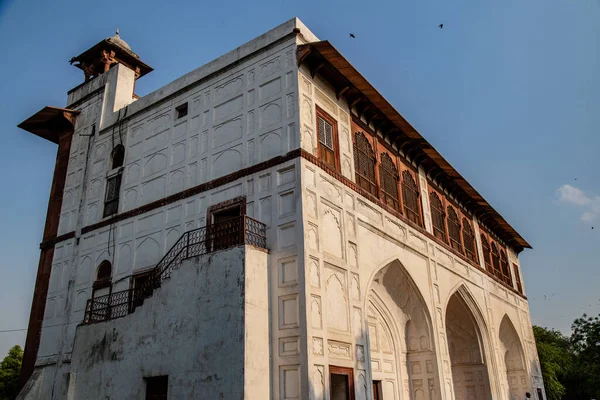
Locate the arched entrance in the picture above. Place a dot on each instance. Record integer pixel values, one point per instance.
(402, 351)
(511, 353)
(469, 370)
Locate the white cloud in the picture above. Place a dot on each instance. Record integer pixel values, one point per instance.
(570, 194)
(591, 204)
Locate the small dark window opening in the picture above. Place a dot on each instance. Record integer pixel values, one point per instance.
(181, 111)
(342, 383)
(111, 200)
(118, 156)
(104, 271)
(157, 387)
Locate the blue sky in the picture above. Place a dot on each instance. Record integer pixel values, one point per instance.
(508, 91)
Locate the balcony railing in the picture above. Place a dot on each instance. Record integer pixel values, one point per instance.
(230, 233)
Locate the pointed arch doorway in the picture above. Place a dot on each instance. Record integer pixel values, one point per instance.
(467, 355)
(512, 357)
(402, 351)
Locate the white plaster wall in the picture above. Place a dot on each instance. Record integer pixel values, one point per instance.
(194, 328)
(242, 110)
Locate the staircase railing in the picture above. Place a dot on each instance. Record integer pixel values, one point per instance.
(230, 233)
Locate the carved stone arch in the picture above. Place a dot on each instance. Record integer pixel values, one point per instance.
(469, 345)
(392, 285)
(512, 360)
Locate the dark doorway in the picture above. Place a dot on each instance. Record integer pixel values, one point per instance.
(539, 393)
(157, 387)
(377, 390)
(341, 381)
(225, 226)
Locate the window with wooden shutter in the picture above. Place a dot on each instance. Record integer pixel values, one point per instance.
(327, 135)
(518, 278)
(410, 198)
(438, 216)
(468, 240)
(485, 245)
(364, 163)
(505, 269)
(496, 261)
(454, 229)
(388, 177)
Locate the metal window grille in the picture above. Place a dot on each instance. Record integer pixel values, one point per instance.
(438, 217)
(410, 198)
(364, 163)
(388, 175)
(111, 200)
(454, 229)
(468, 240)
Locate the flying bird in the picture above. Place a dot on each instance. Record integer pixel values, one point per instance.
(441, 26)
(352, 36)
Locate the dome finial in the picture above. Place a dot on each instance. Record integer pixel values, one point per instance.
(117, 32)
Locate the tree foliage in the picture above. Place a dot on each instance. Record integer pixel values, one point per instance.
(10, 369)
(554, 352)
(571, 365)
(585, 340)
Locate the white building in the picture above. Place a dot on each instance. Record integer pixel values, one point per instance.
(267, 226)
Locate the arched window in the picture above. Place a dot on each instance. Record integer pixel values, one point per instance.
(505, 268)
(364, 163)
(438, 217)
(388, 176)
(410, 198)
(486, 254)
(496, 261)
(468, 240)
(454, 229)
(118, 156)
(104, 271)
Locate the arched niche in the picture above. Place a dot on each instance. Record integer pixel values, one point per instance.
(402, 350)
(512, 358)
(466, 348)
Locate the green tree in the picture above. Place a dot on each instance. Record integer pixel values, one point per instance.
(10, 368)
(554, 351)
(584, 380)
